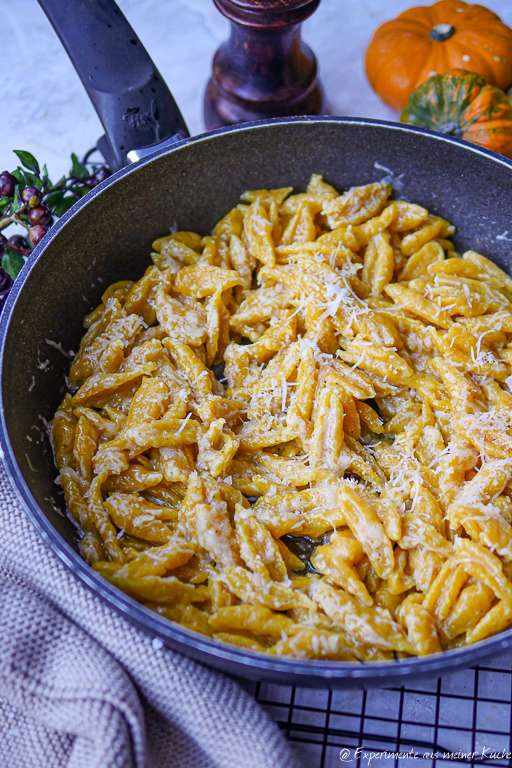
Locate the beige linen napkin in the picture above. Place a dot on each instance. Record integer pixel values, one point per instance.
(80, 687)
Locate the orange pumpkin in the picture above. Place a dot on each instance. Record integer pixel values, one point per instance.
(461, 103)
(426, 41)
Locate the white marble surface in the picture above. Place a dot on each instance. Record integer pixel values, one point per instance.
(45, 109)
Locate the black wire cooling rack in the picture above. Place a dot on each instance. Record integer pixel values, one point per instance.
(462, 718)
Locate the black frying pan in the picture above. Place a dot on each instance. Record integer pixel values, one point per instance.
(107, 236)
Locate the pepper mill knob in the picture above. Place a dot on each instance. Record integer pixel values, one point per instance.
(265, 69)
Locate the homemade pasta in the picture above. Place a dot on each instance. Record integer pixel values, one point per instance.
(295, 435)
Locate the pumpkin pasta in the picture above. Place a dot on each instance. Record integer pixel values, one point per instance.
(295, 435)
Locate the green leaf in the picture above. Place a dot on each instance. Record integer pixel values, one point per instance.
(45, 179)
(78, 169)
(32, 178)
(54, 198)
(81, 190)
(4, 203)
(64, 205)
(17, 202)
(28, 160)
(20, 178)
(12, 263)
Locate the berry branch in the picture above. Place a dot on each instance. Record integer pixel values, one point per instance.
(29, 199)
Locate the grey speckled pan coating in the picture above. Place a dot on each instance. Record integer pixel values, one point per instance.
(107, 237)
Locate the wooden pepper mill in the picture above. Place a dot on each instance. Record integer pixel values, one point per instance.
(264, 70)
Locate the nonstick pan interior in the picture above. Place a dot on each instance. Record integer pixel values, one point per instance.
(107, 237)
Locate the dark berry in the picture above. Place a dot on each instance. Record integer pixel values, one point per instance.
(102, 173)
(3, 245)
(91, 182)
(18, 241)
(32, 196)
(7, 184)
(39, 215)
(5, 285)
(37, 233)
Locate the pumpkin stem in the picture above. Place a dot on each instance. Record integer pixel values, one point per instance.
(442, 32)
(453, 129)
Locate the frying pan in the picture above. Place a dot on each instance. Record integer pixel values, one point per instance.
(107, 237)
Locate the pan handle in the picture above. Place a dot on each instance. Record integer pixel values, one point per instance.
(135, 106)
